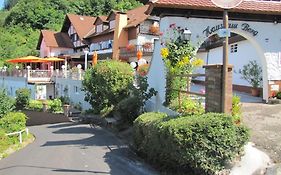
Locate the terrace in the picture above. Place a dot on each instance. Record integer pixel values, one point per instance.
(43, 76)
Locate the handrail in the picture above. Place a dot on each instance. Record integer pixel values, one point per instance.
(20, 134)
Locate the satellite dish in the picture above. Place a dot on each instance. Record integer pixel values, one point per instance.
(227, 4)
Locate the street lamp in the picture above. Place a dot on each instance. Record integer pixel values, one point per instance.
(186, 34)
(86, 58)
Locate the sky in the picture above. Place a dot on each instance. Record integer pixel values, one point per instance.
(1, 4)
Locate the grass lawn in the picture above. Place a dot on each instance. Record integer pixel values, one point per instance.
(13, 145)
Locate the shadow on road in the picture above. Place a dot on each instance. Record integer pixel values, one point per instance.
(117, 155)
(55, 169)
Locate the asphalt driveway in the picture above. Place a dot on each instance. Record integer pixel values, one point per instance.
(264, 120)
(68, 148)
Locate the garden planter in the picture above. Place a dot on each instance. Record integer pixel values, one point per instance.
(255, 92)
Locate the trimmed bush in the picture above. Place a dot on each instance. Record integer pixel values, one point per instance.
(203, 142)
(22, 98)
(107, 84)
(13, 121)
(55, 106)
(7, 104)
(35, 105)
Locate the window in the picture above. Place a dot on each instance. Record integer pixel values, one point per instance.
(99, 28)
(112, 24)
(74, 37)
(76, 89)
(233, 48)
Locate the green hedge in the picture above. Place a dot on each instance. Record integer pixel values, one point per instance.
(203, 142)
(54, 106)
(13, 122)
(35, 105)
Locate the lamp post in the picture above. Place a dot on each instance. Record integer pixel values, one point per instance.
(186, 34)
(86, 58)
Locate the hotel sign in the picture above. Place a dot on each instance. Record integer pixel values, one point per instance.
(226, 4)
(245, 27)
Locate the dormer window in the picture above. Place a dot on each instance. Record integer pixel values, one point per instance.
(112, 24)
(99, 28)
(74, 37)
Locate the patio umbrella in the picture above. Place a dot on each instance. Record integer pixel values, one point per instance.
(28, 59)
(95, 58)
(52, 59)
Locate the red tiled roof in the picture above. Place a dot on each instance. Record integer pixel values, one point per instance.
(247, 6)
(137, 16)
(54, 39)
(82, 24)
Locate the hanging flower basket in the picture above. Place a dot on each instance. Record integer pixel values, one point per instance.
(147, 45)
(154, 29)
(130, 47)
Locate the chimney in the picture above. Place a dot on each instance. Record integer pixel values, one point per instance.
(120, 35)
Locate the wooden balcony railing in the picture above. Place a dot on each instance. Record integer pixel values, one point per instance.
(131, 50)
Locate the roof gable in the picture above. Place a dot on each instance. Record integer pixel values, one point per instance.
(137, 16)
(82, 24)
(54, 39)
(100, 20)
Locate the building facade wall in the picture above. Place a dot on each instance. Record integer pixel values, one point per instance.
(257, 33)
(11, 84)
(245, 53)
(72, 89)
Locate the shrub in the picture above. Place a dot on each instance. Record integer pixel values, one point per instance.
(236, 109)
(278, 95)
(201, 142)
(35, 105)
(55, 106)
(252, 73)
(188, 106)
(7, 104)
(3, 141)
(107, 84)
(131, 107)
(13, 121)
(22, 98)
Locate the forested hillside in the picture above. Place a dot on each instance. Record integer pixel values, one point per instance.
(21, 20)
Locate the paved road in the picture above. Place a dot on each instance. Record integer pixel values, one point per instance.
(67, 148)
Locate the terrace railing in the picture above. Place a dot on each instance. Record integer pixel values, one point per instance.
(131, 50)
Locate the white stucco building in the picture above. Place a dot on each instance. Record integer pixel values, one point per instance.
(257, 21)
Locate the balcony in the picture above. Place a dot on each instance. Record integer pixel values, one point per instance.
(43, 76)
(131, 50)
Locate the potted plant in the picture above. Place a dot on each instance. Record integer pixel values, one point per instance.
(252, 73)
(147, 45)
(131, 47)
(154, 29)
